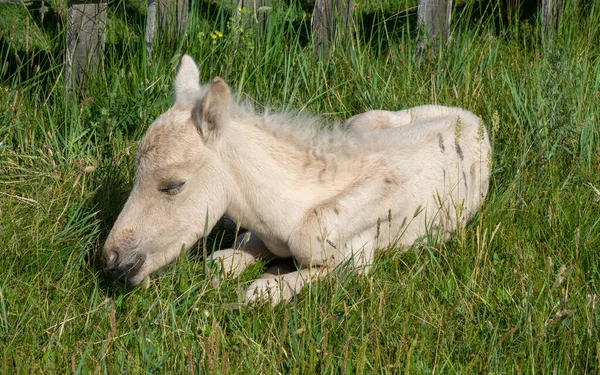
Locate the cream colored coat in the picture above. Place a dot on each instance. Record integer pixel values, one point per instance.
(383, 180)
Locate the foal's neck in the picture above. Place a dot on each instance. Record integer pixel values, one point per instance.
(274, 176)
(292, 159)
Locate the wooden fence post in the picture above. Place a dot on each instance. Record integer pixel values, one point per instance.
(150, 29)
(86, 22)
(433, 22)
(551, 11)
(171, 17)
(331, 24)
(257, 8)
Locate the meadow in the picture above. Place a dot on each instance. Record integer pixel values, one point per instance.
(516, 291)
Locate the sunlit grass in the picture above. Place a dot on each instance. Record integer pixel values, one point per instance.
(516, 292)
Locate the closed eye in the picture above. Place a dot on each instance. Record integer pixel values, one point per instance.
(172, 188)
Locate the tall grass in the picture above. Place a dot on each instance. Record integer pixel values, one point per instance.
(516, 292)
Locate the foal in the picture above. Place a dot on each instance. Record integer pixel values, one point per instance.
(381, 181)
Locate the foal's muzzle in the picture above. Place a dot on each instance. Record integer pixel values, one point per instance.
(120, 269)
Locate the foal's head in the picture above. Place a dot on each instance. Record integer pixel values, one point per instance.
(180, 185)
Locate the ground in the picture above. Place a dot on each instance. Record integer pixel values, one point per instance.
(515, 292)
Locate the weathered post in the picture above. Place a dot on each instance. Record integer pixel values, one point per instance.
(170, 16)
(86, 22)
(433, 22)
(331, 24)
(258, 9)
(551, 11)
(150, 29)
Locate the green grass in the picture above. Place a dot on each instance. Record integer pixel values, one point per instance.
(515, 292)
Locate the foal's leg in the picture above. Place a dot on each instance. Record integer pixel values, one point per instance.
(326, 228)
(248, 250)
(280, 288)
(275, 287)
(377, 120)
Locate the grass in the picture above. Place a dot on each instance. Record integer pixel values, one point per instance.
(515, 292)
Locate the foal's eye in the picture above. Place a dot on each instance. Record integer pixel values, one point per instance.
(172, 188)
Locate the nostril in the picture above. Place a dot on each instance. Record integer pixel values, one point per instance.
(118, 247)
(111, 257)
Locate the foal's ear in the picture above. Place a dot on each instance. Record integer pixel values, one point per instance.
(187, 83)
(210, 113)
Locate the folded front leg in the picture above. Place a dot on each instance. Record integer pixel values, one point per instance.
(351, 217)
(280, 288)
(247, 251)
(279, 284)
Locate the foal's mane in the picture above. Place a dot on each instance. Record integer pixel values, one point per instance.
(323, 139)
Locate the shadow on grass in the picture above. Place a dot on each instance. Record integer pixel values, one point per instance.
(109, 199)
